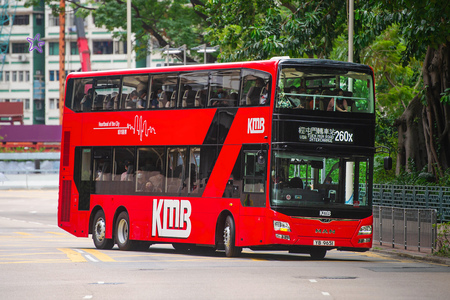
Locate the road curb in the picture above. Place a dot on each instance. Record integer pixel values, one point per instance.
(411, 255)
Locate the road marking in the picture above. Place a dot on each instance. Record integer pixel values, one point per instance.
(325, 293)
(74, 256)
(56, 233)
(313, 280)
(22, 233)
(101, 256)
(91, 258)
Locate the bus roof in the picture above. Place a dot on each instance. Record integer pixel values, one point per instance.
(261, 65)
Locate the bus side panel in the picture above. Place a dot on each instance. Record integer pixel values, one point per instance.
(167, 219)
(251, 228)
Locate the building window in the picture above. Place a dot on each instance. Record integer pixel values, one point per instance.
(120, 47)
(7, 76)
(103, 47)
(21, 20)
(39, 19)
(73, 48)
(54, 75)
(20, 47)
(21, 78)
(52, 20)
(27, 76)
(53, 48)
(14, 76)
(26, 104)
(53, 103)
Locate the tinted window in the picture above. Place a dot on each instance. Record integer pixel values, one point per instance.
(255, 88)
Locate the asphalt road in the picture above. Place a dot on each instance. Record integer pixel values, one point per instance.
(40, 261)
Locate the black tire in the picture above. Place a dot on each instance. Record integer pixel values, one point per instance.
(229, 238)
(122, 232)
(183, 248)
(142, 245)
(98, 232)
(318, 253)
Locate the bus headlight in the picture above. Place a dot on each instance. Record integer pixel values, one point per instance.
(367, 229)
(281, 226)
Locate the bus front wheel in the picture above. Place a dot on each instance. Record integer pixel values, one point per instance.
(229, 238)
(122, 232)
(318, 253)
(98, 232)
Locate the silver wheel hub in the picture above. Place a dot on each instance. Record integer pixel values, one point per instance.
(226, 236)
(100, 229)
(122, 231)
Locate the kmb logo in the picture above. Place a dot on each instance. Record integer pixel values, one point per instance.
(255, 125)
(174, 211)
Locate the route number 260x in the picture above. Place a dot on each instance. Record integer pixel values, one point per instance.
(343, 136)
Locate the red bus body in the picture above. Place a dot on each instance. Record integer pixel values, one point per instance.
(198, 219)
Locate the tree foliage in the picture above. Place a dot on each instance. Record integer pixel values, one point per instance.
(167, 22)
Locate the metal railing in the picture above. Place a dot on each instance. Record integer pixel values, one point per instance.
(405, 227)
(413, 196)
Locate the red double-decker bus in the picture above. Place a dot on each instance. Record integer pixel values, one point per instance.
(267, 155)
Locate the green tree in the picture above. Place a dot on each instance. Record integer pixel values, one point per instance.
(261, 29)
(167, 22)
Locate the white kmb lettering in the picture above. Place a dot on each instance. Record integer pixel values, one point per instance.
(176, 213)
(255, 125)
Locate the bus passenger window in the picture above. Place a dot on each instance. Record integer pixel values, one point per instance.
(224, 88)
(150, 178)
(176, 171)
(104, 88)
(254, 172)
(135, 92)
(166, 87)
(255, 88)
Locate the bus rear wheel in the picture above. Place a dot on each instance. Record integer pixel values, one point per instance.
(122, 232)
(98, 232)
(229, 238)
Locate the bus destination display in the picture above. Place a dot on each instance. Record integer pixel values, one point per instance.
(324, 135)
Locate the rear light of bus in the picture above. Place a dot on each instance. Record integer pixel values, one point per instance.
(364, 230)
(281, 226)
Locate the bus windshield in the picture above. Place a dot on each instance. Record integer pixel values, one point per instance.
(319, 181)
(324, 89)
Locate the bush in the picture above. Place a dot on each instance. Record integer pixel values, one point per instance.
(443, 240)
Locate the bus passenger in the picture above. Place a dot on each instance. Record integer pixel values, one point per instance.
(142, 99)
(341, 103)
(254, 93)
(86, 102)
(314, 102)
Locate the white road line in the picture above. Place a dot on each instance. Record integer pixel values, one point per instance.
(313, 280)
(91, 258)
(325, 293)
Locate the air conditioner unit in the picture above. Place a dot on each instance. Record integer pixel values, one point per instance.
(22, 58)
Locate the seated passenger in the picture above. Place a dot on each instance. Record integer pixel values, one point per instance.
(315, 102)
(132, 100)
(254, 93)
(341, 103)
(142, 99)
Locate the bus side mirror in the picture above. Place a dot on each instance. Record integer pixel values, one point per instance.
(388, 163)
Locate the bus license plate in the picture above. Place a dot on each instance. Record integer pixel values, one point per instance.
(323, 243)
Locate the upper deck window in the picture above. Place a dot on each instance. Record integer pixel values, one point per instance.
(151, 91)
(324, 89)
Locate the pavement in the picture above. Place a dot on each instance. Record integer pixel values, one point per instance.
(412, 253)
